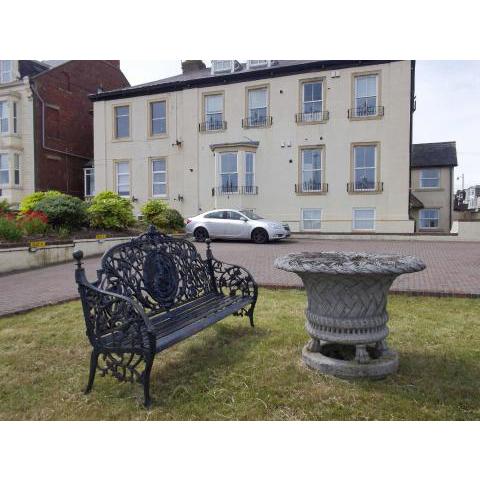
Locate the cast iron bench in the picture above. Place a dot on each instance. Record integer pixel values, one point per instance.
(152, 292)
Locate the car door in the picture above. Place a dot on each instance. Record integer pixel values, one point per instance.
(215, 223)
(236, 225)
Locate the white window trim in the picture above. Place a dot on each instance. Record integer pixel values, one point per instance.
(303, 210)
(10, 71)
(220, 172)
(357, 97)
(423, 177)
(303, 150)
(437, 210)
(87, 172)
(117, 175)
(374, 219)
(17, 168)
(258, 108)
(250, 173)
(161, 195)
(312, 101)
(252, 66)
(115, 124)
(355, 168)
(216, 67)
(207, 113)
(5, 117)
(5, 154)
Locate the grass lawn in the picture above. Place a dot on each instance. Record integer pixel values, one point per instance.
(231, 371)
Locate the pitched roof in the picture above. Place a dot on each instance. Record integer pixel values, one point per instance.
(204, 77)
(414, 202)
(439, 154)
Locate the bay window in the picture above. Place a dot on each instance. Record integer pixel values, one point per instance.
(4, 169)
(4, 116)
(122, 173)
(159, 177)
(228, 169)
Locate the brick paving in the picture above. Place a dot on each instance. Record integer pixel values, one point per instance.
(453, 268)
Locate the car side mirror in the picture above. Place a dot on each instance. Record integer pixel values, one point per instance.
(245, 219)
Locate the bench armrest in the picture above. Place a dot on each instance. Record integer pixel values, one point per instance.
(231, 279)
(113, 320)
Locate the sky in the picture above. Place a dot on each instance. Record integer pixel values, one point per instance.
(448, 105)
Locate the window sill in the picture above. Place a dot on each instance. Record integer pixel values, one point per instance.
(365, 192)
(123, 139)
(429, 189)
(319, 192)
(158, 136)
(366, 117)
(250, 127)
(220, 130)
(311, 122)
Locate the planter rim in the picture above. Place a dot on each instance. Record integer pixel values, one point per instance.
(349, 263)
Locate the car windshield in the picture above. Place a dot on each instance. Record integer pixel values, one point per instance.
(252, 216)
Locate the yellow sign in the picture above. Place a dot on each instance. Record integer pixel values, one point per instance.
(37, 244)
(101, 236)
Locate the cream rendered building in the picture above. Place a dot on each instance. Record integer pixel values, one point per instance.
(322, 145)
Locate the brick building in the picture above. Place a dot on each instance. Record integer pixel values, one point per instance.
(46, 123)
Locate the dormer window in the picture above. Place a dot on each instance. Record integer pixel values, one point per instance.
(258, 63)
(223, 66)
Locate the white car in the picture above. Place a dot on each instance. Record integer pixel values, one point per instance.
(236, 225)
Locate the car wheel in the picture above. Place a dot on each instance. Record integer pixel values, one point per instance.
(259, 235)
(200, 234)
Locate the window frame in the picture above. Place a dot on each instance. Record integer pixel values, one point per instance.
(88, 172)
(266, 63)
(420, 219)
(205, 95)
(249, 189)
(115, 138)
(116, 174)
(374, 219)
(220, 173)
(250, 88)
(16, 170)
(302, 150)
(303, 210)
(376, 189)
(216, 70)
(421, 178)
(5, 118)
(152, 176)
(2, 71)
(306, 81)
(151, 119)
(7, 169)
(378, 85)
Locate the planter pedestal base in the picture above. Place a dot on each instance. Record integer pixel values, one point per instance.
(385, 364)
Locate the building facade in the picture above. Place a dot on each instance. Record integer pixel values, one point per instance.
(46, 123)
(432, 177)
(322, 145)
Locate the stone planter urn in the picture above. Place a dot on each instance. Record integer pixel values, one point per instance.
(346, 311)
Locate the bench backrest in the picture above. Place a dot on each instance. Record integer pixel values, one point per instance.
(158, 270)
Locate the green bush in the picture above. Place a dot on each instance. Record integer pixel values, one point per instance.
(9, 230)
(109, 210)
(4, 207)
(63, 211)
(30, 201)
(158, 213)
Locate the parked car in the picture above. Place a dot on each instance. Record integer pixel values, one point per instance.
(235, 224)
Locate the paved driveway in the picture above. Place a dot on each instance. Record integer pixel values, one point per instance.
(452, 268)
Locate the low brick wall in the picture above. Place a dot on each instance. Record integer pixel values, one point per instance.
(23, 258)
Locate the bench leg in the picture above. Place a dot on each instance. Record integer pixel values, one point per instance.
(93, 370)
(250, 314)
(147, 401)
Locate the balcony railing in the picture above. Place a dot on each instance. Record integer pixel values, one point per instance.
(364, 186)
(310, 187)
(255, 122)
(361, 112)
(212, 126)
(312, 117)
(235, 190)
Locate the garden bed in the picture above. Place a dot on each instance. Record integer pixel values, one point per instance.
(231, 371)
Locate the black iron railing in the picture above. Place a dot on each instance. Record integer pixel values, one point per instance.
(312, 117)
(254, 122)
(311, 187)
(212, 125)
(235, 190)
(360, 112)
(364, 186)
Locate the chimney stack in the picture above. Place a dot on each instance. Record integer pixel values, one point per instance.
(189, 66)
